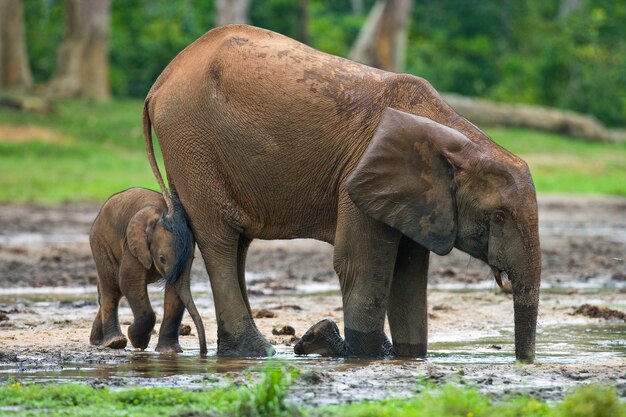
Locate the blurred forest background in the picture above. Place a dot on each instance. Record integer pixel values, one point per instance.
(81, 67)
(569, 54)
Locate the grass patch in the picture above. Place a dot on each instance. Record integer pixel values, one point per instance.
(564, 165)
(266, 398)
(97, 150)
(101, 152)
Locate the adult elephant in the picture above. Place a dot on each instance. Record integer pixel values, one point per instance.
(264, 137)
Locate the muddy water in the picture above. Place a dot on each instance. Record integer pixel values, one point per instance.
(470, 322)
(569, 353)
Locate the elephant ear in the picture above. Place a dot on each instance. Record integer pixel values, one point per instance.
(405, 178)
(138, 232)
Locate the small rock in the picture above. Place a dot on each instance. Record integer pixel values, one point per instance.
(185, 330)
(284, 331)
(619, 276)
(8, 357)
(289, 307)
(263, 314)
(450, 272)
(3, 316)
(599, 312)
(313, 377)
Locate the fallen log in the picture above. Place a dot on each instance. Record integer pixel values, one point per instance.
(487, 113)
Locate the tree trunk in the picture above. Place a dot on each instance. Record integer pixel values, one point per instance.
(14, 68)
(356, 6)
(567, 7)
(83, 57)
(303, 21)
(232, 11)
(382, 40)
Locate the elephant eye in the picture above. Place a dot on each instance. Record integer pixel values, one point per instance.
(162, 259)
(498, 217)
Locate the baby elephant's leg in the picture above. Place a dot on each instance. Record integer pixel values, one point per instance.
(170, 327)
(133, 285)
(106, 330)
(111, 334)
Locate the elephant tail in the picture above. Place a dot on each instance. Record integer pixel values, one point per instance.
(147, 139)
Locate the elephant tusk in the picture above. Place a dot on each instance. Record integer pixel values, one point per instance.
(497, 274)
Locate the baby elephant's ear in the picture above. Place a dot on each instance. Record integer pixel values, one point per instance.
(139, 229)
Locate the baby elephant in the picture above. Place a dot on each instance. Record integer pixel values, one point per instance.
(136, 241)
(323, 338)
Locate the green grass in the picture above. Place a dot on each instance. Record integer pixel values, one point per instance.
(96, 150)
(564, 165)
(266, 398)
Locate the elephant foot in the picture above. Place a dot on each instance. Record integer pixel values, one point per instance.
(96, 339)
(168, 348)
(249, 344)
(323, 338)
(117, 341)
(409, 350)
(140, 331)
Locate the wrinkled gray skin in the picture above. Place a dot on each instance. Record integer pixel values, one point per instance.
(133, 245)
(264, 137)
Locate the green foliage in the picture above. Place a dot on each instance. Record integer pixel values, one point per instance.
(515, 51)
(267, 398)
(592, 401)
(525, 51)
(264, 398)
(455, 401)
(43, 17)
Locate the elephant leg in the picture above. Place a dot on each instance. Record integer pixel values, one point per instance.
(96, 336)
(407, 311)
(133, 285)
(112, 336)
(237, 334)
(170, 327)
(242, 251)
(364, 257)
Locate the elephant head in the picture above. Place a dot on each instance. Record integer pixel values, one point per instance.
(444, 190)
(164, 241)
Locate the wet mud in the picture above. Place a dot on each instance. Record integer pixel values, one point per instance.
(48, 301)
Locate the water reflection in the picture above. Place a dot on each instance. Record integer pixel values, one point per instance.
(555, 345)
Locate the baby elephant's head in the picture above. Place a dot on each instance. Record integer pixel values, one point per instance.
(322, 338)
(161, 240)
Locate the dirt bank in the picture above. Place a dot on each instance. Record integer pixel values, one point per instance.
(44, 331)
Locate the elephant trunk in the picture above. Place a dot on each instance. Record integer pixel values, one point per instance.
(525, 304)
(182, 288)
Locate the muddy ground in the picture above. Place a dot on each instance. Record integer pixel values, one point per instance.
(48, 300)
